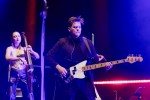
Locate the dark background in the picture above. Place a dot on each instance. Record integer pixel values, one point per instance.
(120, 28)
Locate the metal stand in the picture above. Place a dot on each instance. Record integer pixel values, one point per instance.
(138, 92)
(116, 94)
(43, 15)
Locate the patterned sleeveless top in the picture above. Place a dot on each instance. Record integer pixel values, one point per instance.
(18, 64)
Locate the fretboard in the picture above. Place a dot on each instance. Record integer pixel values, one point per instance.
(100, 65)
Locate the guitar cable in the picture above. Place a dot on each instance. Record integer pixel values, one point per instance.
(54, 90)
(55, 85)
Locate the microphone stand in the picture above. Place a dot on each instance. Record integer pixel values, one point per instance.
(43, 15)
(138, 92)
(116, 94)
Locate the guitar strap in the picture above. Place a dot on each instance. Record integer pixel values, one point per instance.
(87, 44)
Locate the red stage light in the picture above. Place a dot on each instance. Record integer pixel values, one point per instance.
(122, 82)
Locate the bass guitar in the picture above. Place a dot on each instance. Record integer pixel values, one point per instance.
(77, 71)
(29, 69)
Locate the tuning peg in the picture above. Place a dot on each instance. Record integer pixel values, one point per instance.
(140, 58)
(129, 55)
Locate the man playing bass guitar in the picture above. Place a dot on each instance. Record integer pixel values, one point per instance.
(69, 51)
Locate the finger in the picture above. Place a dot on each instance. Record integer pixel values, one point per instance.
(29, 45)
(63, 73)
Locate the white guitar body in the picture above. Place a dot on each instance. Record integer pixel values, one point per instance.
(76, 71)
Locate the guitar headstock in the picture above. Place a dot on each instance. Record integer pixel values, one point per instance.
(132, 59)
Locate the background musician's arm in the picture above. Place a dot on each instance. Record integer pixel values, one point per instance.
(32, 52)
